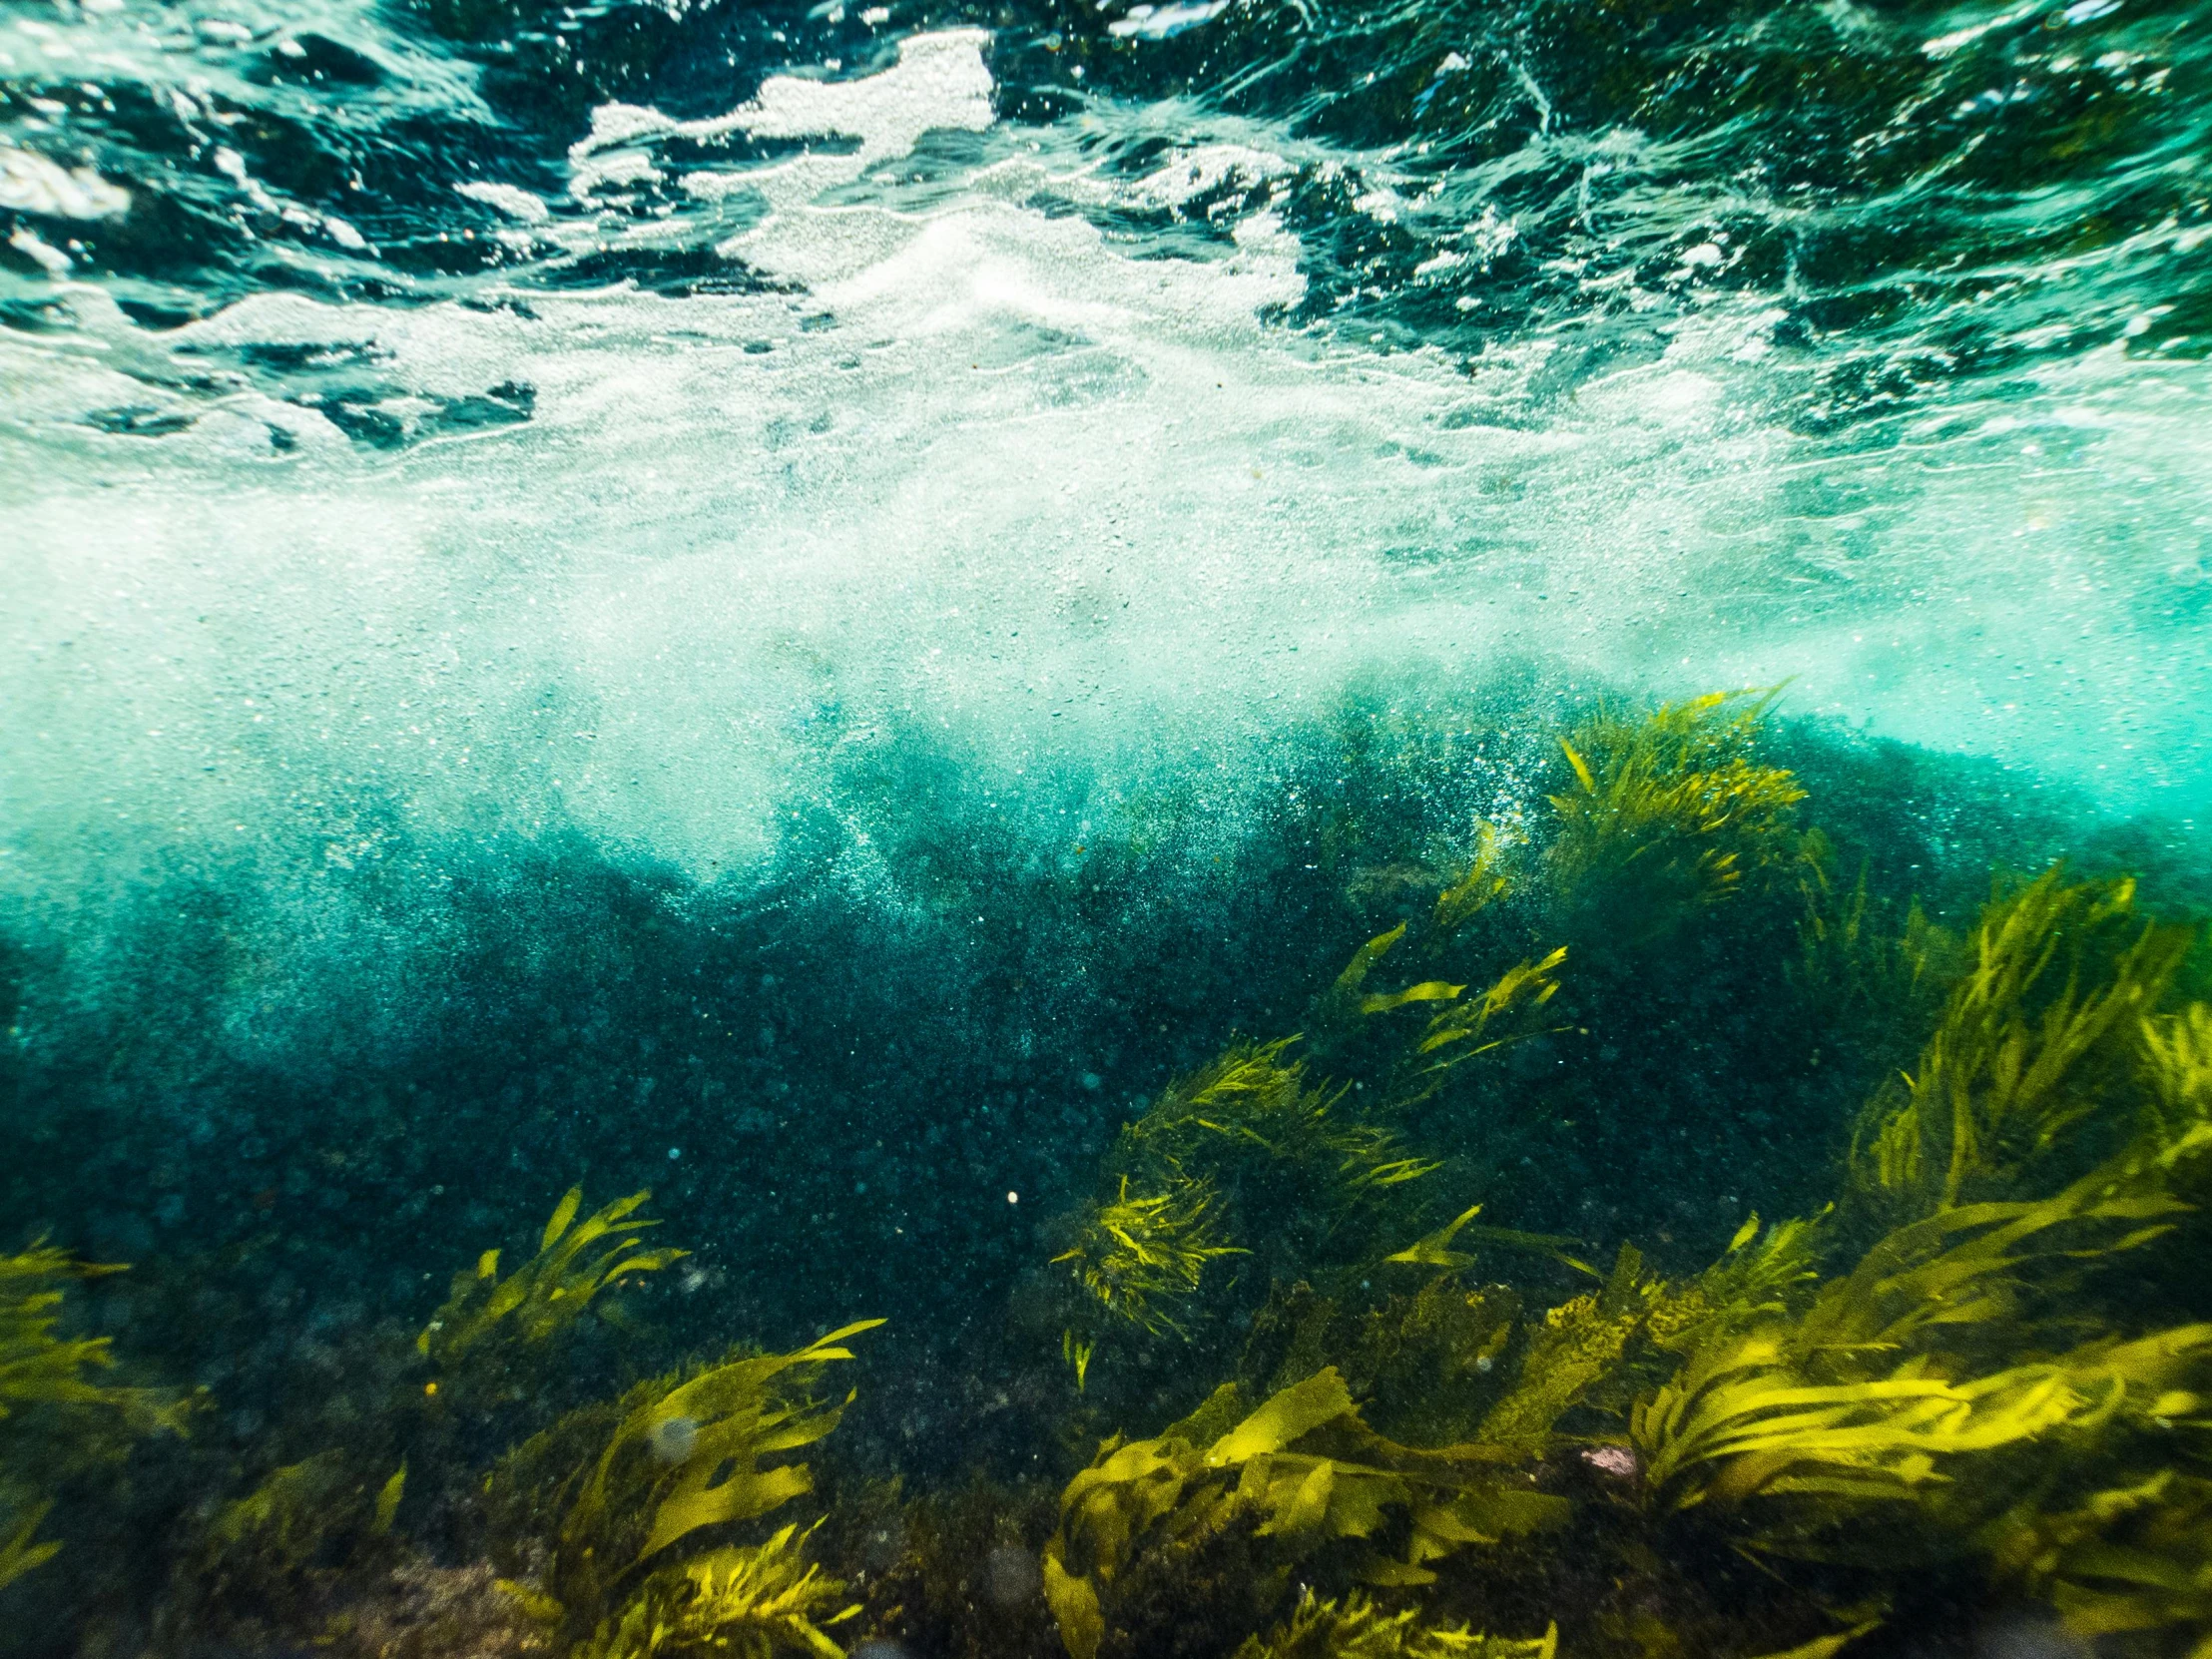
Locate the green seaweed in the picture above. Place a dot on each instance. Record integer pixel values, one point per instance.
(487, 1318)
(2041, 1027)
(40, 1368)
(23, 1551)
(56, 1416)
(2127, 1561)
(1354, 1628)
(2177, 1066)
(747, 1601)
(1673, 804)
(1135, 1255)
(1245, 1130)
(272, 1556)
(1302, 1472)
(1850, 967)
(686, 1455)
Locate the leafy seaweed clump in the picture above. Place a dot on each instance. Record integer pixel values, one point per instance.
(1299, 1475)
(1358, 1629)
(686, 1455)
(487, 1320)
(56, 1416)
(748, 1601)
(1983, 1372)
(1671, 810)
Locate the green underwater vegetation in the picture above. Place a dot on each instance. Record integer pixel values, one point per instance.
(488, 1321)
(1950, 1367)
(57, 1415)
(1323, 1363)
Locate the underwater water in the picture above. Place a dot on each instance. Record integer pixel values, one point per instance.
(916, 831)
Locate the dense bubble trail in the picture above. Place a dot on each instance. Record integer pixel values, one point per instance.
(848, 612)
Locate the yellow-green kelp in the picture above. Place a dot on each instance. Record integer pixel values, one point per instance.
(56, 1415)
(1949, 1376)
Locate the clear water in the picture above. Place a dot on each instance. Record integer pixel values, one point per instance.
(805, 607)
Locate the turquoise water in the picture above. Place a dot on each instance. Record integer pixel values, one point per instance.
(813, 609)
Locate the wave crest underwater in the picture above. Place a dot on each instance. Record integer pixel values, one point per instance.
(850, 615)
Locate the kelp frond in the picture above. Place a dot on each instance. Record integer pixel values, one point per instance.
(688, 1454)
(1849, 965)
(261, 1548)
(1483, 1023)
(2128, 1558)
(1355, 1628)
(22, 1551)
(1250, 1113)
(1482, 883)
(37, 1366)
(1757, 1278)
(1741, 1421)
(552, 1290)
(1674, 801)
(1579, 1343)
(2177, 1064)
(1303, 1470)
(1910, 1364)
(747, 1602)
(1250, 1101)
(2043, 1021)
(1249, 1093)
(1461, 1029)
(54, 1412)
(1137, 1256)
(1436, 1249)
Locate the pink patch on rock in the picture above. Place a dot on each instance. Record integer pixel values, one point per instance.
(1616, 1461)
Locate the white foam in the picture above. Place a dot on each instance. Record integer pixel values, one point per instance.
(988, 472)
(939, 83)
(517, 203)
(31, 184)
(1163, 22)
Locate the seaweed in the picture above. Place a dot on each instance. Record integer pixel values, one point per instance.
(2038, 1034)
(1354, 1628)
(1300, 1473)
(1133, 1254)
(1435, 1250)
(1246, 1130)
(278, 1556)
(56, 1418)
(1464, 1030)
(685, 1457)
(748, 1601)
(23, 1551)
(39, 1368)
(1427, 1365)
(486, 1320)
(2177, 1066)
(1579, 1343)
(2128, 1560)
(1673, 807)
(1851, 968)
